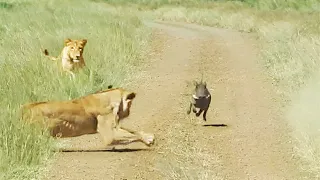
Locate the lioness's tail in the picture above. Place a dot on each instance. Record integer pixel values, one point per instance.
(46, 53)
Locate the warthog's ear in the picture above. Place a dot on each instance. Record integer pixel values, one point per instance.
(84, 42)
(131, 96)
(205, 84)
(195, 83)
(66, 41)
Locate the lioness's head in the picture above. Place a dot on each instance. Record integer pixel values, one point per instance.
(127, 99)
(75, 48)
(125, 104)
(121, 100)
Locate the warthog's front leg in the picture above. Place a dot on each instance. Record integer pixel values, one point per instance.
(189, 109)
(191, 106)
(198, 113)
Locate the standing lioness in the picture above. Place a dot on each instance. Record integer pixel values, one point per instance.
(71, 55)
(100, 112)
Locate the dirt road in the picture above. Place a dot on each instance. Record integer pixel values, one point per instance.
(254, 145)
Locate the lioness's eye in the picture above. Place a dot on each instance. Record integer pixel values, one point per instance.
(80, 49)
(72, 48)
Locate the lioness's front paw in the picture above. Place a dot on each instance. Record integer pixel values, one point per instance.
(148, 139)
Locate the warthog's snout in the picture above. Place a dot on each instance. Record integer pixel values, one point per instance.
(200, 97)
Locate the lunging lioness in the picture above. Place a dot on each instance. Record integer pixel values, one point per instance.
(71, 55)
(100, 112)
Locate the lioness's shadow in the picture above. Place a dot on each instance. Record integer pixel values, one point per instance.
(101, 150)
(215, 125)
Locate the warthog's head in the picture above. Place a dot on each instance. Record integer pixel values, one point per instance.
(200, 90)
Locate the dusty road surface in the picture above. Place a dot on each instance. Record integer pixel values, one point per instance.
(255, 144)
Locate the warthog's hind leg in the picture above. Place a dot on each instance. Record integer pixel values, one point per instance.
(205, 115)
(189, 109)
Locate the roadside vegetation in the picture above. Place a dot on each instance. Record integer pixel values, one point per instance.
(288, 32)
(115, 40)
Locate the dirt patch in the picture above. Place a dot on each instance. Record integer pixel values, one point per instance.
(254, 145)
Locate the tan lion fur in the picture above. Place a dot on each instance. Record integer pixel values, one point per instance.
(71, 55)
(100, 112)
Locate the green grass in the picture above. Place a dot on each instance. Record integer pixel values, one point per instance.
(115, 40)
(287, 5)
(288, 32)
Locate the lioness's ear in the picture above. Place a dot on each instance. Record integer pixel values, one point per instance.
(131, 96)
(66, 41)
(84, 42)
(110, 86)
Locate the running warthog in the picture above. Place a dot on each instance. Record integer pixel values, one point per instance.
(201, 98)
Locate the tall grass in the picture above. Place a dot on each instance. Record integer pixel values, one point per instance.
(115, 40)
(289, 36)
(306, 5)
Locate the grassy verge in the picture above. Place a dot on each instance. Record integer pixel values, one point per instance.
(289, 36)
(115, 40)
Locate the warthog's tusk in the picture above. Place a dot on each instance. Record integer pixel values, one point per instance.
(194, 96)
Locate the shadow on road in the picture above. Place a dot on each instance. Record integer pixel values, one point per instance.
(102, 150)
(215, 125)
